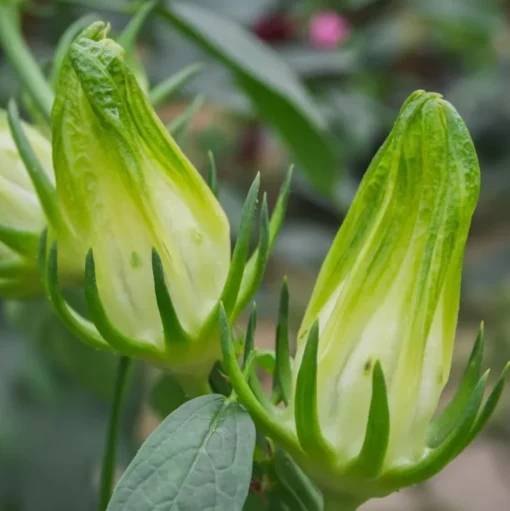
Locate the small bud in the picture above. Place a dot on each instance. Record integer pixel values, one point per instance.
(22, 218)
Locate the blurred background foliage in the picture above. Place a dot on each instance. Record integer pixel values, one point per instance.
(314, 82)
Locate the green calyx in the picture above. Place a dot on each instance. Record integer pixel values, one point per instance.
(180, 350)
(364, 477)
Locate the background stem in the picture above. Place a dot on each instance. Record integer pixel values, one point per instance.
(21, 59)
(110, 454)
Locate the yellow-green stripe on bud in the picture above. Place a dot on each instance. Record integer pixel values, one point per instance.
(22, 218)
(375, 345)
(158, 237)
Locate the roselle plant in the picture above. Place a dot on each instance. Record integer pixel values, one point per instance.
(111, 204)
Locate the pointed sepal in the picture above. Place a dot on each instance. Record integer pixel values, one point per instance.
(23, 243)
(488, 408)
(174, 332)
(282, 380)
(74, 322)
(212, 175)
(255, 266)
(436, 459)
(249, 340)
(371, 457)
(267, 421)
(251, 360)
(443, 425)
(113, 336)
(42, 185)
(238, 262)
(306, 410)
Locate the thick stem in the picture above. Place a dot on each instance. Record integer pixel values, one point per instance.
(193, 385)
(110, 453)
(335, 502)
(21, 59)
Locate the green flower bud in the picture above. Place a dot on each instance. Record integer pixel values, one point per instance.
(128, 188)
(22, 218)
(375, 345)
(389, 288)
(157, 239)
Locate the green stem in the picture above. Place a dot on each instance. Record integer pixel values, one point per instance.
(21, 59)
(110, 454)
(193, 385)
(335, 502)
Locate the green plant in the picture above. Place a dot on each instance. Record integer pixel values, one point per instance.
(130, 219)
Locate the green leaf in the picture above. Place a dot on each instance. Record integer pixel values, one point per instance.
(273, 88)
(65, 42)
(200, 457)
(17, 52)
(173, 84)
(255, 502)
(180, 123)
(127, 39)
(166, 395)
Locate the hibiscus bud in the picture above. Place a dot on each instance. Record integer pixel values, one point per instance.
(375, 345)
(22, 218)
(156, 240)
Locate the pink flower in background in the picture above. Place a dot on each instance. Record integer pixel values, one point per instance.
(327, 30)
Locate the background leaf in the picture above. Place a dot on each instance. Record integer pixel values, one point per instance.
(200, 457)
(273, 88)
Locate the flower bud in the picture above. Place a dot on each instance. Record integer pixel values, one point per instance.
(375, 345)
(127, 189)
(22, 218)
(157, 239)
(389, 288)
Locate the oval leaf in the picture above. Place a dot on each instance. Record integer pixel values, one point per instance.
(200, 457)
